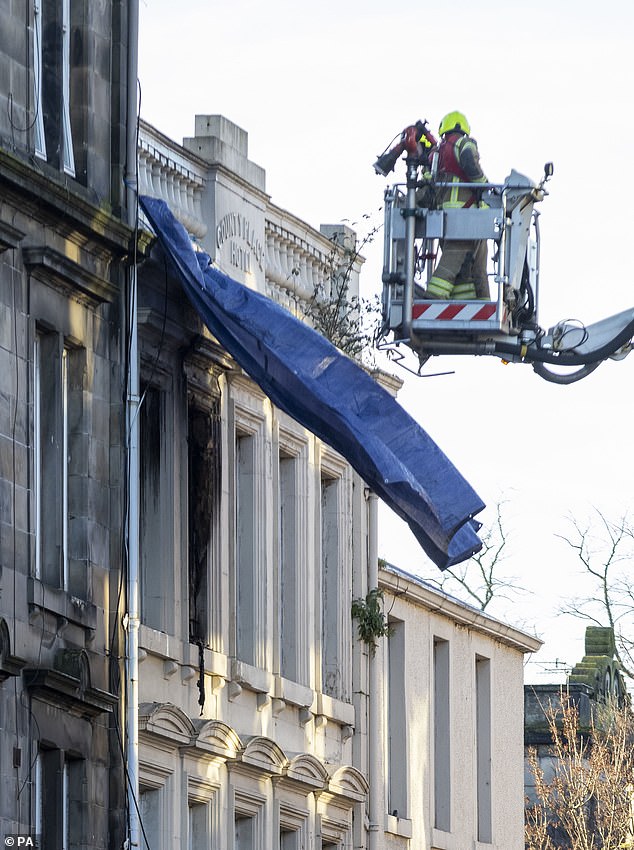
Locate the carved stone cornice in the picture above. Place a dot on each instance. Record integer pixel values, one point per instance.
(69, 275)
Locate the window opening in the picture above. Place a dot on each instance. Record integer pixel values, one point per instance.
(289, 839)
(442, 736)
(199, 836)
(60, 800)
(396, 725)
(154, 556)
(54, 68)
(246, 572)
(331, 627)
(51, 406)
(204, 499)
(38, 126)
(483, 748)
(244, 831)
(150, 809)
(288, 580)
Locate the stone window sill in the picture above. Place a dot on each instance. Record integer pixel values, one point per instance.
(398, 826)
(59, 602)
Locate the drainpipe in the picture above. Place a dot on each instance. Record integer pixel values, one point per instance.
(375, 746)
(132, 617)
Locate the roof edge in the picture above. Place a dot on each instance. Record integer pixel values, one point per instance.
(417, 590)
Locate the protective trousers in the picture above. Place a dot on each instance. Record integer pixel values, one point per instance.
(461, 273)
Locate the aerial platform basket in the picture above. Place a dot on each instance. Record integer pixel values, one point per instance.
(414, 232)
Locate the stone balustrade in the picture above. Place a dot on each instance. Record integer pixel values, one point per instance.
(170, 174)
(300, 262)
(296, 270)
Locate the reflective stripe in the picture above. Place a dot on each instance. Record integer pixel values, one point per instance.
(464, 291)
(440, 287)
(464, 142)
(454, 201)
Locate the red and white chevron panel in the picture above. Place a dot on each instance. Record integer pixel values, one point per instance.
(446, 311)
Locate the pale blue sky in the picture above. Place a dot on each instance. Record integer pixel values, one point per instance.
(322, 88)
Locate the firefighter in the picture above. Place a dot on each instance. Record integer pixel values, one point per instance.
(462, 270)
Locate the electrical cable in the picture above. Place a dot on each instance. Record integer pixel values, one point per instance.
(566, 327)
(125, 768)
(37, 94)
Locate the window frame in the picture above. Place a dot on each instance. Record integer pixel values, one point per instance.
(62, 12)
(53, 819)
(334, 576)
(292, 660)
(442, 756)
(396, 726)
(51, 452)
(39, 138)
(68, 155)
(483, 753)
(249, 642)
(160, 561)
(248, 805)
(201, 601)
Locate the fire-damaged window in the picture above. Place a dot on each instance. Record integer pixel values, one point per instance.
(203, 428)
(156, 510)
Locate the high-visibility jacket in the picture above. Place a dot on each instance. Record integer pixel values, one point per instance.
(459, 162)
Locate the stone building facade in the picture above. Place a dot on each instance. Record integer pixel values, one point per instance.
(63, 246)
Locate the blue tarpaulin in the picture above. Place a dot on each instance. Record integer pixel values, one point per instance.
(332, 396)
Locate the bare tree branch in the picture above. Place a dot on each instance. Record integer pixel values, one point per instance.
(585, 801)
(347, 321)
(605, 549)
(480, 580)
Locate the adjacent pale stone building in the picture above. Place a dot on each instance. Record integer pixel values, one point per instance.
(452, 721)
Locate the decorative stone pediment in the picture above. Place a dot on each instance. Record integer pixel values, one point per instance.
(348, 783)
(10, 665)
(167, 722)
(307, 770)
(264, 755)
(74, 662)
(68, 685)
(218, 739)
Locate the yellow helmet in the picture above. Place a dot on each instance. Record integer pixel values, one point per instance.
(454, 121)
